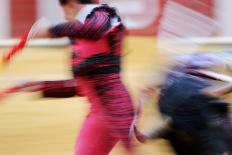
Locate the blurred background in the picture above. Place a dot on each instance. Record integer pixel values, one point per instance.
(140, 15)
(31, 125)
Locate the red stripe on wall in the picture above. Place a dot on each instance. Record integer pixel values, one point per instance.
(23, 15)
(205, 7)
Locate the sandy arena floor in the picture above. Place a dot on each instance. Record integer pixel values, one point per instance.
(30, 125)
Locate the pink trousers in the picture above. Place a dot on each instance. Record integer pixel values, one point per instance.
(110, 118)
(94, 138)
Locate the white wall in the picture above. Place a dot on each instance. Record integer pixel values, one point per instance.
(224, 16)
(4, 19)
(137, 14)
(50, 9)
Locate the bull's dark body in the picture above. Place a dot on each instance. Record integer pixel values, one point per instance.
(201, 124)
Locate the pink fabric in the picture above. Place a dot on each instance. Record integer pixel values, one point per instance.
(111, 110)
(84, 49)
(110, 101)
(95, 137)
(88, 48)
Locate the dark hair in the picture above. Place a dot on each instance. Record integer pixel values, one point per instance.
(64, 2)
